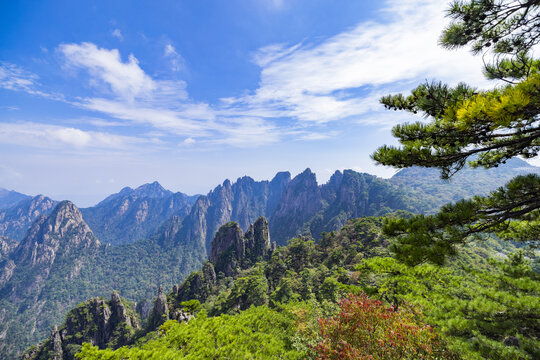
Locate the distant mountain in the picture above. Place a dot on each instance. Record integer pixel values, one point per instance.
(243, 201)
(468, 182)
(9, 198)
(16, 220)
(135, 214)
(295, 206)
(306, 207)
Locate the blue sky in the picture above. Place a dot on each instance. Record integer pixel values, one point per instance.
(98, 95)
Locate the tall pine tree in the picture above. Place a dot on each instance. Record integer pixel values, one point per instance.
(478, 128)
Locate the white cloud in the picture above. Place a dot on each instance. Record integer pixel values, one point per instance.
(53, 136)
(169, 50)
(117, 34)
(189, 141)
(160, 104)
(339, 77)
(302, 86)
(13, 77)
(176, 60)
(313, 136)
(127, 80)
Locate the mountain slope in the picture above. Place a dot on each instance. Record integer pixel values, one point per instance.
(61, 263)
(16, 220)
(306, 207)
(468, 182)
(134, 214)
(9, 198)
(38, 281)
(243, 201)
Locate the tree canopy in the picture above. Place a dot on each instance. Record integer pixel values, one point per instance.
(475, 127)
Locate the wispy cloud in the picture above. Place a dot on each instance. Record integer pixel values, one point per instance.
(117, 34)
(160, 104)
(126, 79)
(175, 59)
(303, 87)
(338, 78)
(13, 77)
(53, 136)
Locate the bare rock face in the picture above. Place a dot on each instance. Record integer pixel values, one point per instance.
(134, 214)
(56, 344)
(231, 250)
(258, 243)
(6, 247)
(97, 321)
(160, 312)
(16, 219)
(64, 228)
(243, 202)
(300, 201)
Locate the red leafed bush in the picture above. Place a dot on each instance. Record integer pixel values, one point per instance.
(367, 329)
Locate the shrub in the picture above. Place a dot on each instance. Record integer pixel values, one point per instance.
(367, 329)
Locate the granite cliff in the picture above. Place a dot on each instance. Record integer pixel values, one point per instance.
(135, 214)
(17, 218)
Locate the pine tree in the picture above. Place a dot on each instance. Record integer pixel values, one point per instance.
(475, 128)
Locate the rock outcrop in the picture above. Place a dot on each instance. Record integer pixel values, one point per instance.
(7, 245)
(97, 321)
(160, 311)
(232, 250)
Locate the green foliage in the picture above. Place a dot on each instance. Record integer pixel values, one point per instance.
(476, 309)
(510, 212)
(256, 333)
(191, 306)
(135, 270)
(490, 127)
(508, 28)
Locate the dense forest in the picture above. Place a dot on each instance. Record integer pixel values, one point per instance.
(342, 297)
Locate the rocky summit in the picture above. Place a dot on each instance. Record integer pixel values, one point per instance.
(97, 321)
(16, 219)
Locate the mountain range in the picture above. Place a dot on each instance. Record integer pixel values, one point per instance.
(140, 239)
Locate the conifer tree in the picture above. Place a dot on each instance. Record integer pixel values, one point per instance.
(475, 128)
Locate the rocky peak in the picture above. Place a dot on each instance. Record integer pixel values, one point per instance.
(152, 190)
(9, 198)
(231, 250)
(64, 228)
(96, 321)
(258, 240)
(15, 220)
(160, 311)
